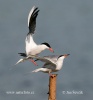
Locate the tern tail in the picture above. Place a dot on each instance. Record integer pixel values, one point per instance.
(41, 70)
(37, 70)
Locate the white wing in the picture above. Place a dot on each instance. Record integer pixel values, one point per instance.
(43, 59)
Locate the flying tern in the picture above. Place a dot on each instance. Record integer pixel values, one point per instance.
(31, 47)
(52, 63)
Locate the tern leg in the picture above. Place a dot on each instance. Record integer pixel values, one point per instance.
(33, 62)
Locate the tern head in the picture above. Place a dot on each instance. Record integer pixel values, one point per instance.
(60, 60)
(63, 56)
(47, 46)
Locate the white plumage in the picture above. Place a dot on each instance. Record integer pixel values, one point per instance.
(31, 47)
(52, 63)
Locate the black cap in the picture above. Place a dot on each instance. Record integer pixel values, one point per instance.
(45, 43)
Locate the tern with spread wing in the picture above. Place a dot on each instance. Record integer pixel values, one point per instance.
(52, 63)
(31, 47)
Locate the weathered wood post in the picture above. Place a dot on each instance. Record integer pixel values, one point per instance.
(52, 87)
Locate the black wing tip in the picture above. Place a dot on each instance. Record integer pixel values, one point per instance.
(22, 54)
(32, 20)
(36, 60)
(36, 9)
(35, 13)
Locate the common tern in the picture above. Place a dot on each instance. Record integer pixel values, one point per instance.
(52, 63)
(31, 47)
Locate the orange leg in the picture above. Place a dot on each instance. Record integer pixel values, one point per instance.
(33, 62)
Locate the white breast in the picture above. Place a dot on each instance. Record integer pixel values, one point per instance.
(59, 63)
(36, 49)
(30, 44)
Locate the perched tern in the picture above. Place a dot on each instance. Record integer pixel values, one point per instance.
(52, 63)
(31, 47)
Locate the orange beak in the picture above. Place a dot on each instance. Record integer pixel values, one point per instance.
(66, 55)
(51, 50)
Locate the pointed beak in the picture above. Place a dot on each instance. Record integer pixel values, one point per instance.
(51, 50)
(66, 55)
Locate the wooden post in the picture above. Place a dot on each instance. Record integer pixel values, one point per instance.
(52, 87)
